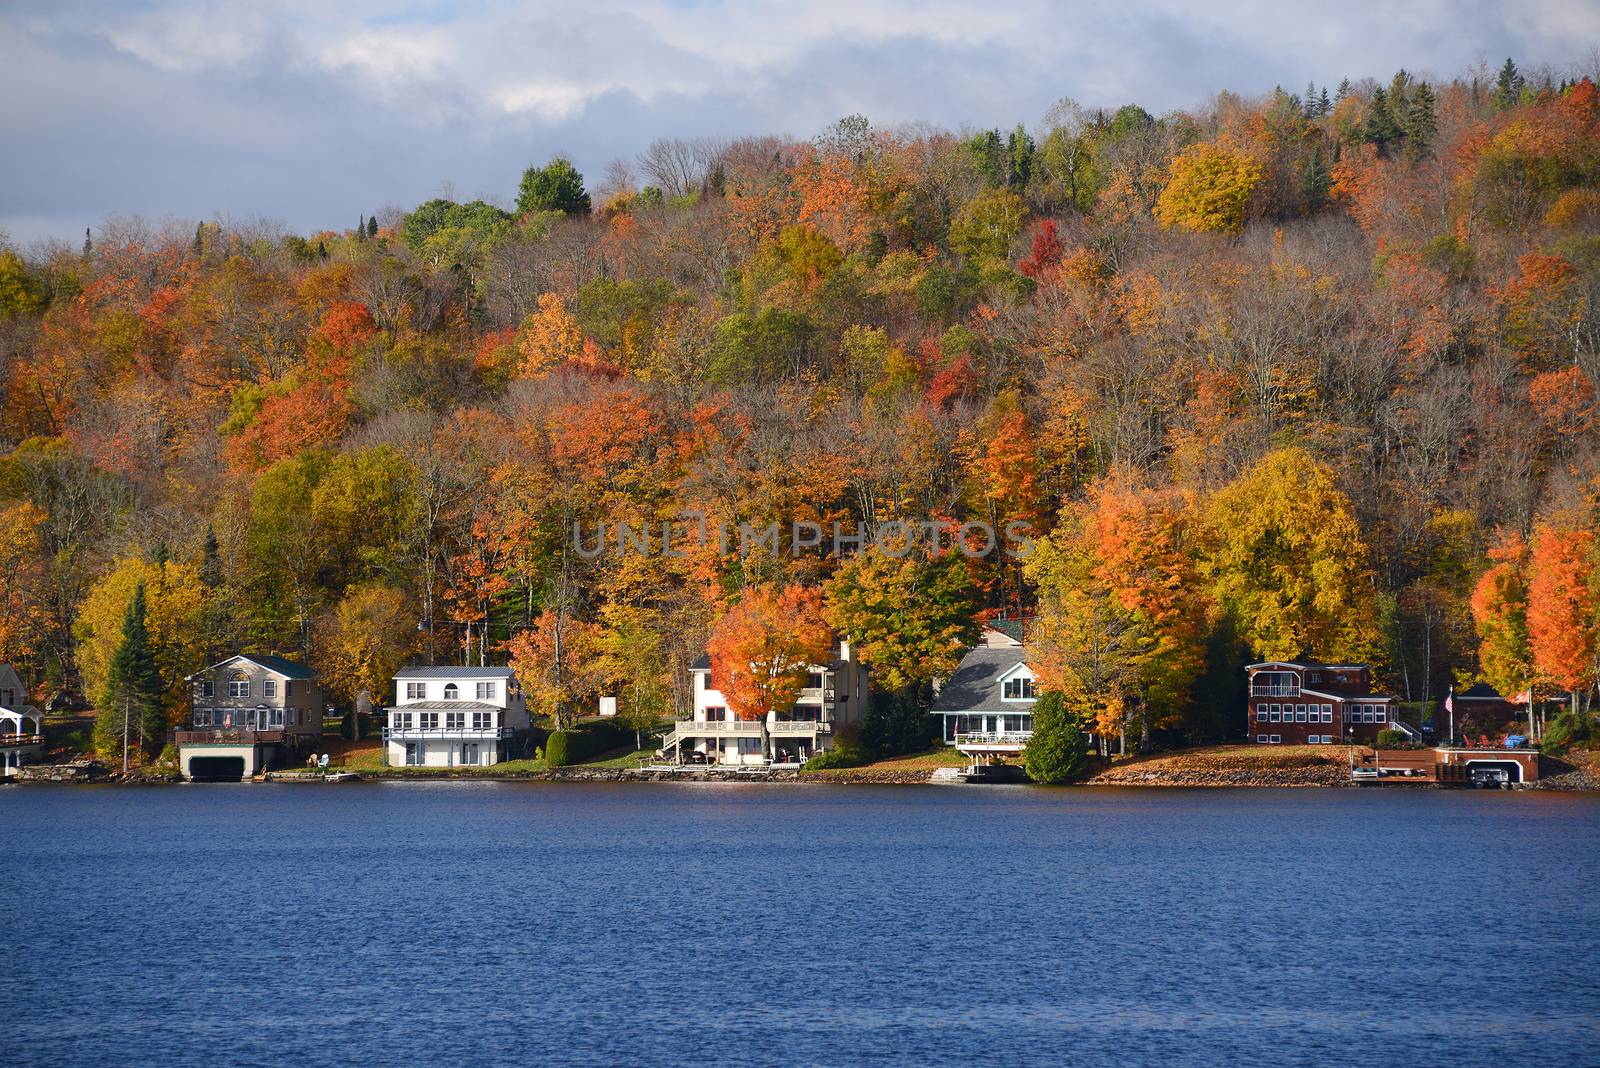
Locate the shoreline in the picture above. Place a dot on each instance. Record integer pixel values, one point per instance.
(1328, 777)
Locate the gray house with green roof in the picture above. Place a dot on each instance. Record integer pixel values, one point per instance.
(251, 712)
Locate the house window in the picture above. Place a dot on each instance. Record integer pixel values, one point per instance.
(1014, 724)
(275, 717)
(1316, 676)
(1327, 713)
(1261, 713)
(482, 721)
(269, 687)
(1261, 739)
(402, 721)
(1272, 713)
(1300, 713)
(208, 688)
(716, 714)
(239, 686)
(813, 680)
(486, 691)
(202, 717)
(1019, 689)
(469, 752)
(428, 720)
(453, 721)
(416, 691)
(413, 756)
(1277, 738)
(451, 691)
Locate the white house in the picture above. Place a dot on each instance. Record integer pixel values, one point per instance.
(986, 708)
(835, 696)
(447, 716)
(21, 724)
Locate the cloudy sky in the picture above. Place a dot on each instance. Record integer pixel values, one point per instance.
(314, 112)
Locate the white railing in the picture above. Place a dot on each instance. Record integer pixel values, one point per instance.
(994, 738)
(446, 732)
(1275, 689)
(801, 726)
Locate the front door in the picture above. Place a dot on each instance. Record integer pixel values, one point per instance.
(261, 719)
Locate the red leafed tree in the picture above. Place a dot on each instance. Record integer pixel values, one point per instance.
(763, 647)
(1045, 255)
(1562, 603)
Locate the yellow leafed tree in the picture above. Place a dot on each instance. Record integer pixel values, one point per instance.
(1209, 190)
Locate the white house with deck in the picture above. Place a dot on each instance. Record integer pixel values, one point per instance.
(985, 709)
(446, 716)
(834, 697)
(21, 724)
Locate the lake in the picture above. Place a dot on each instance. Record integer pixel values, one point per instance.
(649, 924)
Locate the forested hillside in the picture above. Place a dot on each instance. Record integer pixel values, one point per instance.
(1310, 374)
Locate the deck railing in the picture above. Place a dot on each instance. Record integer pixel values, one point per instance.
(21, 739)
(994, 738)
(1274, 689)
(447, 732)
(224, 735)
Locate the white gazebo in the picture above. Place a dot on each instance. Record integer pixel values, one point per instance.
(21, 725)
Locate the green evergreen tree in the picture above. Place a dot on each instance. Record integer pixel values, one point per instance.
(361, 228)
(1057, 752)
(1316, 179)
(557, 186)
(1309, 104)
(372, 226)
(1344, 89)
(131, 699)
(88, 242)
(1508, 86)
(1380, 129)
(1421, 123)
(1019, 153)
(199, 239)
(211, 560)
(1324, 105)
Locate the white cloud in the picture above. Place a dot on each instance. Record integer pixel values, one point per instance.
(314, 110)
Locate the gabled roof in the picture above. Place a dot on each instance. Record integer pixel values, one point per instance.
(275, 664)
(447, 671)
(1307, 665)
(976, 685)
(1480, 691)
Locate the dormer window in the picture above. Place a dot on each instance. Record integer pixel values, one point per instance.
(1019, 689)
(451, 691)
(1316, 676)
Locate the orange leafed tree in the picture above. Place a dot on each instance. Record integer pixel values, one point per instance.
(763, 647)
(1500, 612)
(1562, 603)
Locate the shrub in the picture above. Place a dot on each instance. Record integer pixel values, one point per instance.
(1057, 752)
(555, 749)
(896, 724)
(846, 753)
(1389, 738)
(1569, 730)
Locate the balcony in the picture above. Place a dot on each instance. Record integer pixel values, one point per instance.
(1274, 689)
(11, 740)
(229, 736)
(426, 733)
(993, 740)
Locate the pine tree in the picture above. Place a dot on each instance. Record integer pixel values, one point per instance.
(1057, 752)
(1316, 179)
(1421, 123)
(88, 242)
(372, 226)
(131, 700)
(1344, 89)
(211, 560)
(1508, 86)
(1323, 103)
(361, 227)
(1309, 107)
(199, 239)
(1380, 128)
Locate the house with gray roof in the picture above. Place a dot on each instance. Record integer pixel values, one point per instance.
(985, 709)
(446, 716)
(21, 724)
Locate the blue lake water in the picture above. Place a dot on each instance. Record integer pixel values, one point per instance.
(483, 923)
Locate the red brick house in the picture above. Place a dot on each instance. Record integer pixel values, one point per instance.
(1307, 703)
